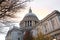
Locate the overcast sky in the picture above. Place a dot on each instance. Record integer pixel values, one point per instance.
(41, 8)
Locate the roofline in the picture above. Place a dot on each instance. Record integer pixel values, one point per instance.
(51, 14)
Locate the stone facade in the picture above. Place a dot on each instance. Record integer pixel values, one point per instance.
(50, 25)
(14, 34)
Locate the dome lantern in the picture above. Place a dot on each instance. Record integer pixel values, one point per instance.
(30, 11)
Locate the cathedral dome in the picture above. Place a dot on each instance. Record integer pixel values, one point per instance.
(30, 19)
(30, 13)
(30, 16)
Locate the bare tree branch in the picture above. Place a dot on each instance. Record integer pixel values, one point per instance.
(11, 6)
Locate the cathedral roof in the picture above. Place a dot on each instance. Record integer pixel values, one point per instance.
(30, 13)
(13, 29)
(30, 16)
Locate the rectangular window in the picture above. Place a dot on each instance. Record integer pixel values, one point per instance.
(45, 26)
(59, 18)
(18, 38)
(52, 22)
(45, 29)
(30, 23)
(36, 22)
(25, 23)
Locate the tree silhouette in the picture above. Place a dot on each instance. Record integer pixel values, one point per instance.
(9, 7)
(41, 36)
(28, 36)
